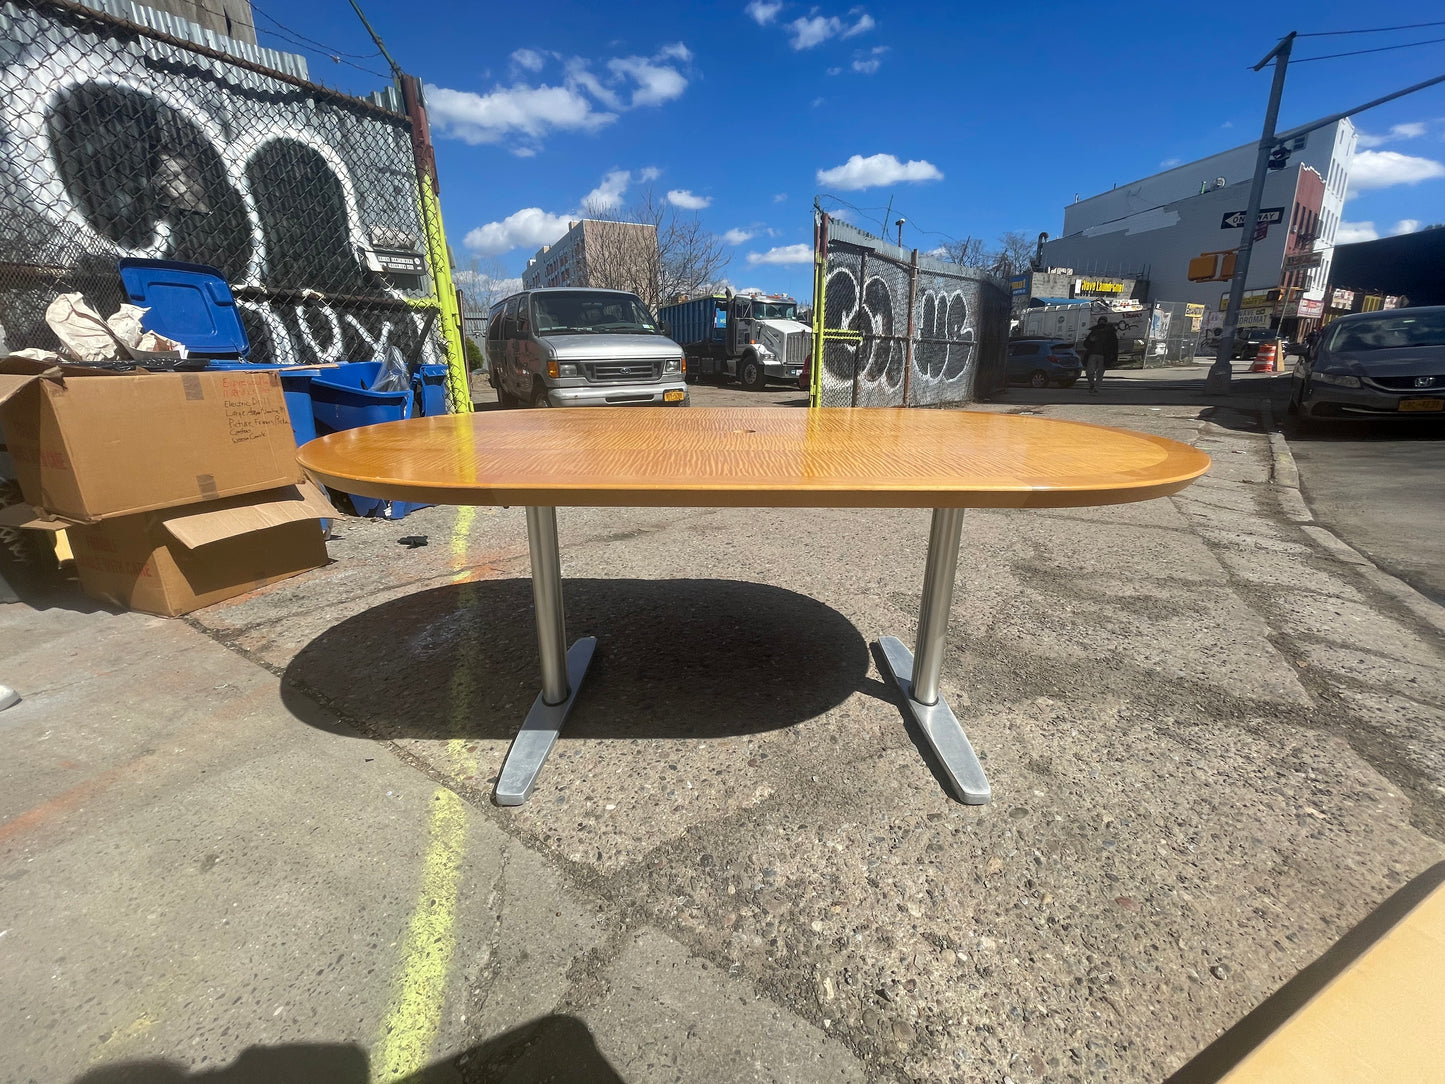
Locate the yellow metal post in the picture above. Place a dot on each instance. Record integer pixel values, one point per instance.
(448, 314)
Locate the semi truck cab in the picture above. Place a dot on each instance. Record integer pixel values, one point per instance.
(752, 338)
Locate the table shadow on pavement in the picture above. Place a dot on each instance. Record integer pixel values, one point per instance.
(685, 658)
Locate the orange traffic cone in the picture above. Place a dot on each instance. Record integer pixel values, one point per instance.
(1264, 360)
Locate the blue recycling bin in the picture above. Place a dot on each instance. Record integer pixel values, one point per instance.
(429, 385)
(342, 398)
(193, 304)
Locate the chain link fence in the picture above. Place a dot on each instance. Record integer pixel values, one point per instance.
(1172, 335)
(894, 328)
(123, 141)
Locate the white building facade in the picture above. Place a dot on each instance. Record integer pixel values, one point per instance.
(1166, 226)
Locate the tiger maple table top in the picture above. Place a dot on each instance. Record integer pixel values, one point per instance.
(752, 457)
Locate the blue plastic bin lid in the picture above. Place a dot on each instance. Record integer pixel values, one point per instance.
(188, 302)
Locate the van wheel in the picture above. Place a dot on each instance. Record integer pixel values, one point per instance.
(751, 374)
(539, 396)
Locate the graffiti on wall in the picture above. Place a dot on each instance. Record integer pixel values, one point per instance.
(950, 351)
(118, 146)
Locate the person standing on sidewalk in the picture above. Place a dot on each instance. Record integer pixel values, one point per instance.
(1101, 350)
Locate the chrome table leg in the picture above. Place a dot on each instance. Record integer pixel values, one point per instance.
(917, 675)
(562, 669)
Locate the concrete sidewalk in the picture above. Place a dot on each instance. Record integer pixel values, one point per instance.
(259, 843)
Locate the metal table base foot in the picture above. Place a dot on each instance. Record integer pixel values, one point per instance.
(941, 728)
(539, 732)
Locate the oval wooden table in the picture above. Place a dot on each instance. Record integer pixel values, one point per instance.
(947, 460)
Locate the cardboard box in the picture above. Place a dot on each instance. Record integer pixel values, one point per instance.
(175, 560)
(88, 444)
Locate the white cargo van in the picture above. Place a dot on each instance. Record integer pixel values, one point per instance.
(576, 346)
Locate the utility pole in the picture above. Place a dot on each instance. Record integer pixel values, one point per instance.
(447, 301)
(1220, 373)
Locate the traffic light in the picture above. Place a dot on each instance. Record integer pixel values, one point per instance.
(1279, 158)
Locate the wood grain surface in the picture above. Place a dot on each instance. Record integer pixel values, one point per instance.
(752, 457)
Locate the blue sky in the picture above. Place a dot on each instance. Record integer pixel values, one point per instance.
(970, 122)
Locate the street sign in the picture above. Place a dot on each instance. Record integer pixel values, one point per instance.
(1302, 260)
(1261, 231)
(1269, 216)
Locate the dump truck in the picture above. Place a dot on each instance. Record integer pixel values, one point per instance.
(753, 338)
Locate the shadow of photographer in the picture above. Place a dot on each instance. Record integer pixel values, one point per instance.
(553, 1047)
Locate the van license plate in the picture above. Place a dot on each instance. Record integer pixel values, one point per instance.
(1422, 404)
(673, 396)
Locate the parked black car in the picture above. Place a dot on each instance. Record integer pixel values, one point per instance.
(1248, 339)
(1370, 365)
(1041, 362)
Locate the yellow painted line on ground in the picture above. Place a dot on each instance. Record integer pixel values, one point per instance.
(414, 1015)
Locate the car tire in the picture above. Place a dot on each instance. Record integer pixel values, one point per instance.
(539, 396)
(1038, 379)
(1068, 382)
(751, 373)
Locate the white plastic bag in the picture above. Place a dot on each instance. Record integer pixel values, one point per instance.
(394, 375)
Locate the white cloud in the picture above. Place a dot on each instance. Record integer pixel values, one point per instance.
(808, 32)
(480, 286)
(515, 110)
(530, 227)
(1405, 225)
(656, 83)
(1347, 233)
(1412, 130)
(533, 227)
(878, 169)
(608, 194)
(869, 62)
(681, 197)
(763, 12)
(781, 197)
(650, 173)
(813, 30)
(737, 236)
(1169, 163)
(817, 102)
(1385, 169)
(584, 102)
(800, 253)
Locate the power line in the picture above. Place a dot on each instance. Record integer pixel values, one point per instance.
(329, 50)
(1371, 30)
(1359, 52)
(296, 40)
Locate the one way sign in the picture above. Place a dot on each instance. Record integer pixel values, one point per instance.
(1268, 216)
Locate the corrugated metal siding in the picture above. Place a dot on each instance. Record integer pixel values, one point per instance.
(287, 63)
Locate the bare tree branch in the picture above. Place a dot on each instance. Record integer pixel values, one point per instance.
(686, 258)
(966, 253)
